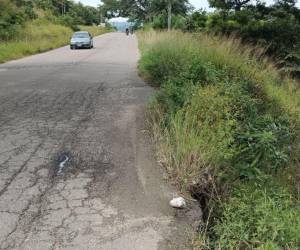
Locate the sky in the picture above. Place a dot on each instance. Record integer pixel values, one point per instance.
(196, 3)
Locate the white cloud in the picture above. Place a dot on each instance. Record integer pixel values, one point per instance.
(118, 20)
(94, 3)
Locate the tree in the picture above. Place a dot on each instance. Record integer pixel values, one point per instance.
(229, 4)
(13, 15)
(170, 3)
(197, 21)
(142, 10)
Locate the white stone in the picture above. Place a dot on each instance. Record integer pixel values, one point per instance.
(178, 202)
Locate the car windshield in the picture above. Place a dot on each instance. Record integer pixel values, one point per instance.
(81, 35)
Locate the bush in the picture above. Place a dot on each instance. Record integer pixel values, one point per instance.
(274, 27)
(178, 22)
(11, 19)
(259, 216)
(68, 21)
(160, 21)
(196, 21)
(13, 16)
(263, 145)
(162, 62)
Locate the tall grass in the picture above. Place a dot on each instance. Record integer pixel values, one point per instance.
(38, 36)
(226, 122)
(94, 30)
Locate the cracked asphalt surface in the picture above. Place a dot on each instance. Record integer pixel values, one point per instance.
(86, 106)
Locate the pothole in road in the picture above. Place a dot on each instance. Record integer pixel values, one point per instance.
(62, 164)
(65, 164)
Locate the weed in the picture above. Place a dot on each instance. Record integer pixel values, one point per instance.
(258, 216)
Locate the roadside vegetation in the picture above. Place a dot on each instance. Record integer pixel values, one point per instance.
(29, 27)
(37, 36)
(40, 35)
(227, 127)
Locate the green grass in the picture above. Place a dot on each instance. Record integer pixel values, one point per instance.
(256, 216)
(226, 123)
(94, 30)
(39, 36)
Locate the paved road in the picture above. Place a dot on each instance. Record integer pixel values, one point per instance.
(76, 168)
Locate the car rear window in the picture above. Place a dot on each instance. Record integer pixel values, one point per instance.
(81, 35)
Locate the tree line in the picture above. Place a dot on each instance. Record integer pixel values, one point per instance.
(15, 13)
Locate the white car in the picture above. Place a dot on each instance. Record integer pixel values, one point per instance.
(81, 39)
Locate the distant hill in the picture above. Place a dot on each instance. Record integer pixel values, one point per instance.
(120, 23)
(120, 26)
